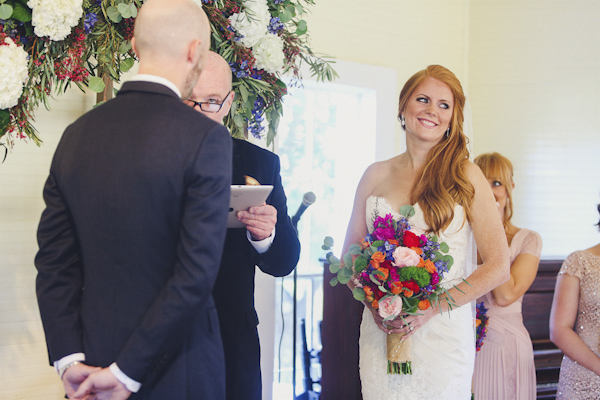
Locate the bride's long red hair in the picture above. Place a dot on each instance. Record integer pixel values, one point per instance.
(443, 182)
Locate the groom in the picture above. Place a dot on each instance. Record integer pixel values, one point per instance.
(132, 234)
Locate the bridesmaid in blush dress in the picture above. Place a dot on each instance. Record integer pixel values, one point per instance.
(575, 326)
(504, 367)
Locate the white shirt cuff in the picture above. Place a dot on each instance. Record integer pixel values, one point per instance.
(67, 360)
(261, 246)
(130, 384)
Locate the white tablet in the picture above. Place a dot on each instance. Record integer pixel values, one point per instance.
(242, 198)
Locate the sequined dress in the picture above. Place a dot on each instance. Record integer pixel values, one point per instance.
(504, 367)
(443, 350)
(577, 382)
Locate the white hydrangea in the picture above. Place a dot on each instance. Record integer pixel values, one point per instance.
(13, 73)
(253, 22)
(269, 53)
(55, 18)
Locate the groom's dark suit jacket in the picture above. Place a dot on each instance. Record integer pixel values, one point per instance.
(234, 290)
(131, 240)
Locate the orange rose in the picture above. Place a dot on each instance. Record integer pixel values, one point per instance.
(407, 292)
(378, 257)
(364, 244)
(395, 242)
(430, 266)
(421, 263)
(368, 293)
(424, 304)
(477, 322)
(417, 250)
(386, 274)
(396, 287)
(375, 304)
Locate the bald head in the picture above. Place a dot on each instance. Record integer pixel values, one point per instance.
(163, 28)
(214, 86)
(171, 39)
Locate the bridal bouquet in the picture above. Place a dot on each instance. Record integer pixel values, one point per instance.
(481, 323)
(397, 270)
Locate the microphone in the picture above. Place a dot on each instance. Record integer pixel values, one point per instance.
(307, 200)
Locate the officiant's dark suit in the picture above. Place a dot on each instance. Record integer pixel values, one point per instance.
(268, 241)
(234, 289)
(131, 240)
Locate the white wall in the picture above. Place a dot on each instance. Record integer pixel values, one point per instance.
(534, 83)
(24, 369)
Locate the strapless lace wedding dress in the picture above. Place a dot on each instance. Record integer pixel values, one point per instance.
(443, 351)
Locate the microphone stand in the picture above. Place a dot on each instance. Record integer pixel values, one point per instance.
(294, 316)
(307, 200)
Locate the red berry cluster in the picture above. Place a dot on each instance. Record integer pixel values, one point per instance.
(72, 66)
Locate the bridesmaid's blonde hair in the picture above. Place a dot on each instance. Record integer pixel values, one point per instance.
(443, 181)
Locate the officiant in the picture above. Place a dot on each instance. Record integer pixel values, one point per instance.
(268, 240)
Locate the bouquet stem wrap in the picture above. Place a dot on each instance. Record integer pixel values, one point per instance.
(398, 354)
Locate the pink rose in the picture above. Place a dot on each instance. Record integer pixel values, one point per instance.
(403, 256)
(390, 307)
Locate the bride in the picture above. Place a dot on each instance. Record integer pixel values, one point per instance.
(452, 199)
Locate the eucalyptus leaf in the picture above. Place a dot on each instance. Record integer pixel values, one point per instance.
(285, 16)
(6, 11)
(444, 248)
(114, 14)
(359, 294)
(449, 261)
(124, 47)
(354, 249)
(96, 84)
(407, 210)
(347, 259)
(381, 288)
(333, 268)
(344, 275)
(126, 64)
(374, 280)
(334, 281)
(360, 263)
(299, 8)
(133, 10)
(328, 241)
(124, 10)
(301, 28)
(434, 238)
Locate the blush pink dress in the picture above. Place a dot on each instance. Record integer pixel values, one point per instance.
(504, 367)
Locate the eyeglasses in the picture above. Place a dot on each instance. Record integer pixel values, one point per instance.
(207, 106)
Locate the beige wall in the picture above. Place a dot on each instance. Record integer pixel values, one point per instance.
(531, 68)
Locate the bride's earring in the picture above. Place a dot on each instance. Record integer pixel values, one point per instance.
(448, 132)
(401, 119)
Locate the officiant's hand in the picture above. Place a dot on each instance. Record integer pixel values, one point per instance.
(260, 221)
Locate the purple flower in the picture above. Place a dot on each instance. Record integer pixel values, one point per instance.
(277, 1)
(90, 21)
(255, 124)
(275, 25)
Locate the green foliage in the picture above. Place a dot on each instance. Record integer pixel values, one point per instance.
(407, 210)
(419, 275)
